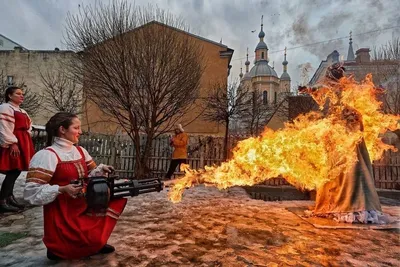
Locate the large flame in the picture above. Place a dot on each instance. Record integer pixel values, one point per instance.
(308, 152)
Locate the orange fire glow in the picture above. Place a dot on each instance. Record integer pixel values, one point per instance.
(308, 152)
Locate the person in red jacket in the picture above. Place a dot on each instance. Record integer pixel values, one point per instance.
(179, 141)
(16, 146)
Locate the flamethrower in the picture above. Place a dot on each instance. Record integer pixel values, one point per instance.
(98, 191)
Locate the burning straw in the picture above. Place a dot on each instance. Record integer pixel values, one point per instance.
(310, 151)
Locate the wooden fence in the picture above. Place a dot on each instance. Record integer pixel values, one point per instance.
(119, 152)
(387, 171)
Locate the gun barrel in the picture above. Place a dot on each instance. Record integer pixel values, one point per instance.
(100, 190)
(124, 187)
(135, 187)
(129, 194)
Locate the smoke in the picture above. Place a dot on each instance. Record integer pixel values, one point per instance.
(329, 24)
(335, 19)
(376, 4)
(292, 24)
(305, 70)
(301, 30)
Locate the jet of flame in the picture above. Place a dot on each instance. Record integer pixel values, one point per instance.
(311, 150)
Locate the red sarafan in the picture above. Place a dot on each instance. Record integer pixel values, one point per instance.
(78, 233)
(16, 146)
(22, 124)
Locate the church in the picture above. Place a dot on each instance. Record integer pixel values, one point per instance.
(263, 80)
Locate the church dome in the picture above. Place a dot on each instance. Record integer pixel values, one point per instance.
(261, 68)
(261, 45)
(285, 76)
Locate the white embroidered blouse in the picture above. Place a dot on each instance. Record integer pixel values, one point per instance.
(7, 122)
(43, 165)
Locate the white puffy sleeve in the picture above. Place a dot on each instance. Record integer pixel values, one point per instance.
(7, 122)
(37, 190)
(93, 169)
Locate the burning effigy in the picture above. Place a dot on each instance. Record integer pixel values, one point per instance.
(328, 151)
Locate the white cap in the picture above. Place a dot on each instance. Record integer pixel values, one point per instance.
(179, 126)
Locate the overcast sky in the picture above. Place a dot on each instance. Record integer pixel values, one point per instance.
(39, 24)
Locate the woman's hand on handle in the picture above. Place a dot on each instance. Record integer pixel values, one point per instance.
(72, 189)
(108, 169)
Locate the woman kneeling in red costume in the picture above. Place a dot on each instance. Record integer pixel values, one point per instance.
(69, 231)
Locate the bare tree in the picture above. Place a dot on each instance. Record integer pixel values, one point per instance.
(388, 51)
(305, 70)
(255, 114)
(32, 100)
(387, 62)
(139, 67)
(225, 103)
(61, 92)
(258, 113)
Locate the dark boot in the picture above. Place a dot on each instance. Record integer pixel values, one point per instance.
(5, 207)
(52, 256)
(107, 249)
(13, 202)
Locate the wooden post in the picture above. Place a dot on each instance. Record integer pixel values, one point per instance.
(201, 153)
(113, 156)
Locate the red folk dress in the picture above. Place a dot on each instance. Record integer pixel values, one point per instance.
(69, 231)
(25, 144)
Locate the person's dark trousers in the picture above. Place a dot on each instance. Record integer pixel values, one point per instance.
(172, 166)
(7, 200)
(8, 184)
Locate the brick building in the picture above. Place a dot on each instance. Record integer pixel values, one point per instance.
(19, 64)
(385, 74)
(359, 64)
(216, 60)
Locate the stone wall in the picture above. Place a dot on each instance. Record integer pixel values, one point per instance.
(25, 66)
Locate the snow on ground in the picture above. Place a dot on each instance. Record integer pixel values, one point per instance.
(212, 228)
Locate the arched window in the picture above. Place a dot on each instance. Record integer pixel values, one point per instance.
(275, 97)
(265, 97)
(262, 55)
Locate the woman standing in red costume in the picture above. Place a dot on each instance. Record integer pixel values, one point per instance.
(16, 147)
(69, 231)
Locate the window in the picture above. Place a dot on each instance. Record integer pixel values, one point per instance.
(275, 97)
(262, 55)
(265, 97)
(1, 43)
(10, 80)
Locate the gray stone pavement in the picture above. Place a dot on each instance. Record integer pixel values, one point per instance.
(212, 228)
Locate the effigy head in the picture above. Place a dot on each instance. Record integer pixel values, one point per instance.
(335, 71)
